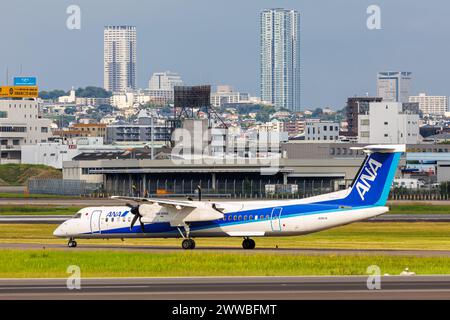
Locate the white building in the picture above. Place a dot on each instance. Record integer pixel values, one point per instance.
(21, 123)
(119, 58)
(280, 58)
(432, 105)
(68, 99)
(389, 123)
(123, 100)
(316, 130)
(161, 86)
(54, 154)
(394, 86)
(165, 81)
(226, 95)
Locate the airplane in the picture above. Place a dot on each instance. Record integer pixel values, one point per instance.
(188, 219)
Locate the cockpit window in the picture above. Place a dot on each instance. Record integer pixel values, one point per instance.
(77, 216)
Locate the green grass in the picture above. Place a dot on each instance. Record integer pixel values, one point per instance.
(419, 209)
(37, 210)
(406, 236)
(52, 263)
(18, 174)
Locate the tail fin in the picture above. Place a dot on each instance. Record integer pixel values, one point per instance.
(373, 182)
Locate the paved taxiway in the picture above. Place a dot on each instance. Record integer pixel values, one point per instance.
(237, 249)
(230, 288)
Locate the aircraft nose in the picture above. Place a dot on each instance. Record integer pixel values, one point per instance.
(60, 231)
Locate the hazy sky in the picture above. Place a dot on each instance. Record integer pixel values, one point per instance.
(217, 42)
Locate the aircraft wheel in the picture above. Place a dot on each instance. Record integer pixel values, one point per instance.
(188, 244)
(72, 244)
(248, 244)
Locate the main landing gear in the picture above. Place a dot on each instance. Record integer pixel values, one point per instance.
(188, 244)
(72, 243)
(248, 244)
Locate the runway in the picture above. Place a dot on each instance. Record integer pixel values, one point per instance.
(229, 288)
(58, 219)
(223, 249)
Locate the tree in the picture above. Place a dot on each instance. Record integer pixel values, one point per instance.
(52, 95)
(92, 92)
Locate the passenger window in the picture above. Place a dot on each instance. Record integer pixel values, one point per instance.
(234, 218)
(251, 217)
(261, 218)
(240, 218)
(267, 217)
(245, 218)
(112, 219)
(106, 220)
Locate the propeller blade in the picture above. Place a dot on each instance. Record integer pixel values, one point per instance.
(134, 221)
(199, 193)
(142, 225)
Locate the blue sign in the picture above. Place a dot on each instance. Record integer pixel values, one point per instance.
(25, 81)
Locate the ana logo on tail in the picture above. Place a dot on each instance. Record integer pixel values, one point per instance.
(367, 176)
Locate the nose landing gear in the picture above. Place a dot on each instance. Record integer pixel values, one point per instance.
(248, 244)
(72, 243)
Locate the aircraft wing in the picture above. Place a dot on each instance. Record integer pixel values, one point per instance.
(180, 211)
(173, 203)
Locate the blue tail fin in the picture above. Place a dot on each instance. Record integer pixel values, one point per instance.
(374, 180)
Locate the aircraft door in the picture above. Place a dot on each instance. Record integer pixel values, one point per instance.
(275, 219)
(95, 221)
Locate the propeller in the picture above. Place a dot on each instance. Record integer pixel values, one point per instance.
(137, 216)
(199, 190)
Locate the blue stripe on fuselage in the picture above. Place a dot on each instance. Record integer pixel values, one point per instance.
(289, 211)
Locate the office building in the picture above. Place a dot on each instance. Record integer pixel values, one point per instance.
(146, 129)
(394, 86)
(389, 123)
(280, 58)
(119, 58)
(355, 107)
(165, 81)
(21, 123)
(431, 105)
(161, 86)
(226, 95)
(324, 131)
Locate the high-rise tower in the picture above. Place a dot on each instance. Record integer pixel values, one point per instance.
(280, 58)
(119, 58)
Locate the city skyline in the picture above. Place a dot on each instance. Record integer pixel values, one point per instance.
(335, 43)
